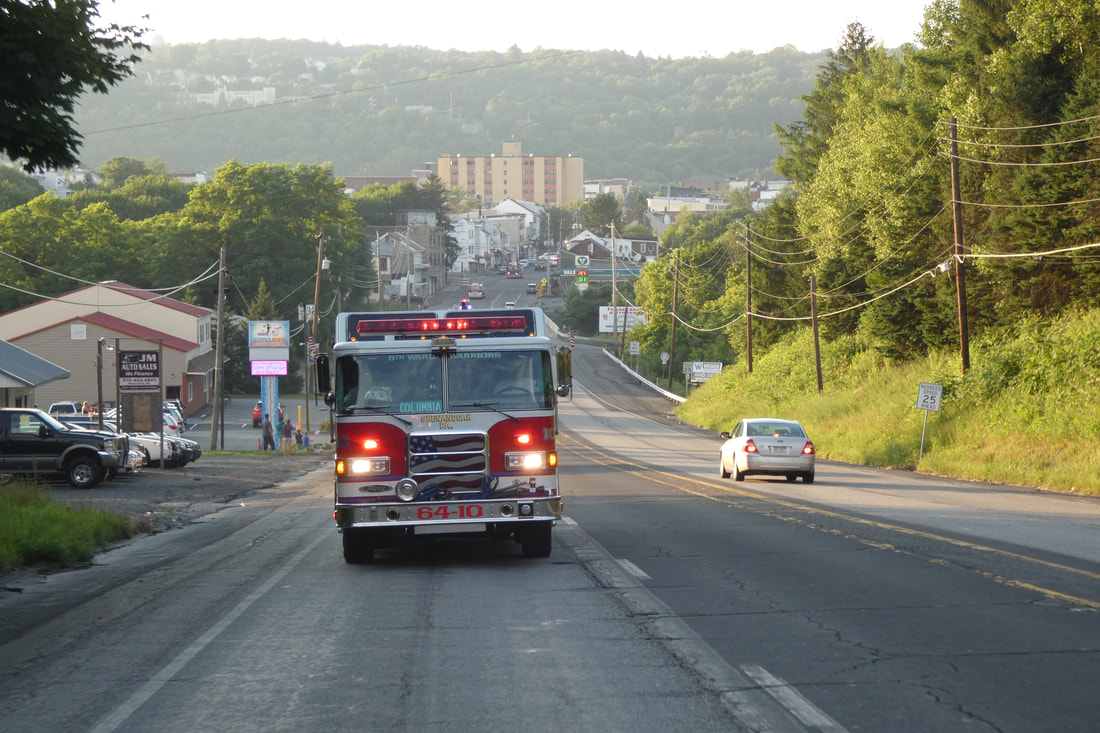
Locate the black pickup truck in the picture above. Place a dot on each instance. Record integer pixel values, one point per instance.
(32, 443)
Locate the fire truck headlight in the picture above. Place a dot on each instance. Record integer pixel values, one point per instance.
(407, 489)
(368, 466)
(524, 461)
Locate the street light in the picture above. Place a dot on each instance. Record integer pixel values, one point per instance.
(99, 378)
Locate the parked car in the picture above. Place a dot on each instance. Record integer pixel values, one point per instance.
(131, 457)
(34, 443)
(258, 414)
(66, 408)
(767, 446)
(162, 454)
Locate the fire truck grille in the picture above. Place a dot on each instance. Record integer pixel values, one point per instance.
(454, 461)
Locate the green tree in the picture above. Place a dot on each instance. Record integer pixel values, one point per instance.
(140, 197)
(601, 213)
(52, 54)
(116, 171)
(805, 142)
(16, 188)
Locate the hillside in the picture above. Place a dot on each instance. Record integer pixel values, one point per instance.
(385, 111)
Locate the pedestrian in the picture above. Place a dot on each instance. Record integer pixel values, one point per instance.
(288, 436)
(269, 433)
(298, 437)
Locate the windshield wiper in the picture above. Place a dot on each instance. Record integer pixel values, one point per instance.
(485, 406)
(377, 409)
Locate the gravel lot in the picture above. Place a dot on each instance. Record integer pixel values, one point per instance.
(172, 497)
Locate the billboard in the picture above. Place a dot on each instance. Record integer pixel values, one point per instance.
(268, 334)
(630, 315)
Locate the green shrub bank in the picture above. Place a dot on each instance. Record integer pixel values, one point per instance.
(1027, 412)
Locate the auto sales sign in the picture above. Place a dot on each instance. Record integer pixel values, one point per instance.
(138, 370)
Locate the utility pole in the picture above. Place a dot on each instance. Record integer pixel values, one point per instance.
(378, 267)
(817, 341)
(219, 357)
(748, 299)
(675, 302)
(614, 306)
(960, 270)
(313, 330)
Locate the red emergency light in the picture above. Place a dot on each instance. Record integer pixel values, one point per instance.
(437, 326)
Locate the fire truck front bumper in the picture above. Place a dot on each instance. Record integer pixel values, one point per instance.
(443, 513)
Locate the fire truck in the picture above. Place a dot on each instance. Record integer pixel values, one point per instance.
(445, 425)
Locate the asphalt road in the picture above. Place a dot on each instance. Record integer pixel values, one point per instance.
(673, 601)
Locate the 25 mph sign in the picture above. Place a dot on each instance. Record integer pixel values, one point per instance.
(929, 396)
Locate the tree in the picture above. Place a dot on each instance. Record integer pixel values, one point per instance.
(601, 213)
(119, 169)
(17, 188)
(52, 54)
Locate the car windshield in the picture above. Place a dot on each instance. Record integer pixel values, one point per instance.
(776, 429)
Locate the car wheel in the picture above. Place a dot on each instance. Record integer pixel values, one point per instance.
(6, 477)
(358, 549)
(791, 477)
(808, 477)
(255, 423)
(737, 474)
(535, 540)
(722, 467)
(83, 473)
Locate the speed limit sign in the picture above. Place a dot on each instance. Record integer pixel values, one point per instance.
(929, 396)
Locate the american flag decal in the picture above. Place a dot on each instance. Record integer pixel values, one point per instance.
(449, 461)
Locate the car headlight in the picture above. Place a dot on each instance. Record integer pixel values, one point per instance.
(379, 466)
(525, 461)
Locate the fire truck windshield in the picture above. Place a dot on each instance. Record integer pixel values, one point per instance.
(423, 382)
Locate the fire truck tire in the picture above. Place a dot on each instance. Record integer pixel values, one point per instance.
(357, 548)
(535, 540)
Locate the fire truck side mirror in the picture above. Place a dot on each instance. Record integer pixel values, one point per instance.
(565, 372)
(324, 380)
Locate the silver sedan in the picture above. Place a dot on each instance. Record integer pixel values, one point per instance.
(767, 446)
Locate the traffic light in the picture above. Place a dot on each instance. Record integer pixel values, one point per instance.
(582, 276)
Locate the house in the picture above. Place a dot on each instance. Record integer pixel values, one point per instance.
(531, 213)
(629, 252)
(67, 331)
(402, 270)
(422, 228)
(21, 372)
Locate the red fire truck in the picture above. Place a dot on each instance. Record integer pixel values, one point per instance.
(446, 424)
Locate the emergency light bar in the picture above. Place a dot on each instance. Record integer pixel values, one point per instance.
(480, 325)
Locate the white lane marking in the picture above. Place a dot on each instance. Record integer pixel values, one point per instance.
(633, 569)
(170, 670)
(791, 699)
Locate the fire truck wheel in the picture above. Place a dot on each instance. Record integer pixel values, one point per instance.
(535, 540)
(357, 548)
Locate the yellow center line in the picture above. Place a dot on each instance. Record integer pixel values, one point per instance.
(651, 474)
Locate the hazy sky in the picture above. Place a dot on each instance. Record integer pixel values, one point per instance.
(702, 27)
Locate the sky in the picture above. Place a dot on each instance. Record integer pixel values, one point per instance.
(700, 28)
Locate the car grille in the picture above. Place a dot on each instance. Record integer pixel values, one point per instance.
(450, 463)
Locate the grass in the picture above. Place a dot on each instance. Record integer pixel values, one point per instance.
(36, 531)
(1027, 412)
